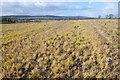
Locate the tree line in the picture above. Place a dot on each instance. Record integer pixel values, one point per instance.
(9, 20)
(6, 20)
(109, 16)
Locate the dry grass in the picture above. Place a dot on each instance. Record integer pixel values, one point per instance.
(76, 48)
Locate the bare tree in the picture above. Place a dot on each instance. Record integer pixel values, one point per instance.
(106, 16)
(99, 16)
(111, 16)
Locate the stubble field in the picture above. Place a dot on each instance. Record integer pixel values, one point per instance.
(73, 48)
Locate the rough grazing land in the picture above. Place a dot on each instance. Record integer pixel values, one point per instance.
(75, 48)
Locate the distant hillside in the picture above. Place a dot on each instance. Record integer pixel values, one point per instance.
(18, 16)
(48, 17)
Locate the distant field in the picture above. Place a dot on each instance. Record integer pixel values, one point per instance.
(73, 48)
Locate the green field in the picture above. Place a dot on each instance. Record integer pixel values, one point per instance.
(71, 48)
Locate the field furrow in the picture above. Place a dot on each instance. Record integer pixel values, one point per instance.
(71, 49)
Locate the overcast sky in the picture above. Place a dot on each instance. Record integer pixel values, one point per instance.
(91, 9)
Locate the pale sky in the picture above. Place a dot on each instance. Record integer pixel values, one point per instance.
(87, 8)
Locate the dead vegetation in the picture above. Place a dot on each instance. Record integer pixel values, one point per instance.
(61, 49)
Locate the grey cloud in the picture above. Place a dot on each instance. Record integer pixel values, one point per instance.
(31, 8)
